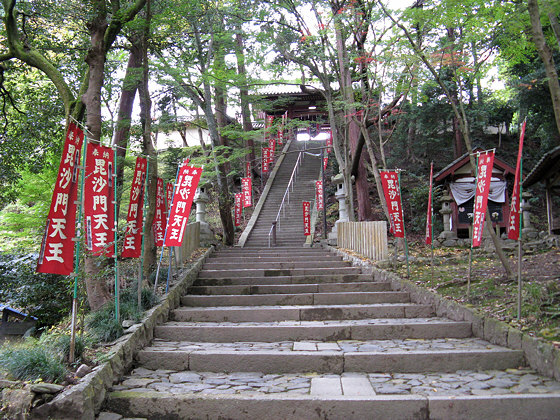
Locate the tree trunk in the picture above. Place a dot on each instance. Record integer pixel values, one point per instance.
(124, 116)
(244, 94)
(96, 284)
(362, 187)
(150, 249)
(547, 58)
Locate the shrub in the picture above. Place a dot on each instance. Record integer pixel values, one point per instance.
(102, 324)
(31, 362)
(60, 345)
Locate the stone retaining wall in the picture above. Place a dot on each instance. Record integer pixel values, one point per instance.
(540, 354)
(83, 400)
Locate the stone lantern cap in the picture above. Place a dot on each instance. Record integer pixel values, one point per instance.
(338, 179)
(446, 198)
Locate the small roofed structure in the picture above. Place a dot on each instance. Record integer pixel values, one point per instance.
(547, 171)
(14, 323)
(459, 179)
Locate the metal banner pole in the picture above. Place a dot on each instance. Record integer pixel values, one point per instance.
(141, 268)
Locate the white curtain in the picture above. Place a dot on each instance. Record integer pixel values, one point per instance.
(464, 190)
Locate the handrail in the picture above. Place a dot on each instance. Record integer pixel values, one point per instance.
(276, 222)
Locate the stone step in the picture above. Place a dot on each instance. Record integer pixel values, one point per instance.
(204, 273)
(325, 278)
(301, 313)
(364, 329)
(266, 259)
(295, 299)
(288, 250)
(468, 394)
(284, 265)
(411, 356)
(289, 288)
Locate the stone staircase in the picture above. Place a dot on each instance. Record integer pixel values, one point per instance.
(297, 333)
(290, 231)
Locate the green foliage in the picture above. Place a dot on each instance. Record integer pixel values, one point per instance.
(59, 343)
(31, 362)
(45, 296)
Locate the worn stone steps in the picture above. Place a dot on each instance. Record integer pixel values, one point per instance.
(258, 289)
(295, 299)
(204, 273)
(321, 278)
(301, 312)
(284, 265)
(363, 329)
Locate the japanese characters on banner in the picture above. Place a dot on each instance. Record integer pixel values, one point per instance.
(168, 196)
(329, 142)
(187, 182)
(265, 159)
(99, 193)
(514, 223)
(238, 208)
(429, 214)
(319, 195)
(280, 135)
(269, 121)
(246, 190)
(272, 145)
(306, 218)
(483, 178)
(57, 248)
(325, 162)
(132, 246)
(248, 168)
(159, 218)
(392, 192)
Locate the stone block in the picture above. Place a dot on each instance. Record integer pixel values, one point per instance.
(515, 338)
(539, 355)
(495, 331)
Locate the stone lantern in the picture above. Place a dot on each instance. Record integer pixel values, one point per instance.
(528, 230)
(446, 212)
(201, 199)
(340, 195)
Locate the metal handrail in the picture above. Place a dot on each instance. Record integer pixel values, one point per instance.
(290, 186)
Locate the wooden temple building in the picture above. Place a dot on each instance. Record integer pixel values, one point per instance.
(459, 182)
(547, 171)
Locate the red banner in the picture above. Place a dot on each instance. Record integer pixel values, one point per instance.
(269, 121)
(247, 190)
(57, 248)
(265, 159)
(329, 142)
(429, 214)
(132, 246)
(159, 218)
(238, 208)
(99, 194)
(392, 192)
(272, 145)
(306, 218)
(280, 135)
(325, 163)
(483, 178)
(182, 201)
(319, 195)
(514, 224)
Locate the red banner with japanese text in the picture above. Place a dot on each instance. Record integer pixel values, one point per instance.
(325, 162)
(272, 145)
(392, 192)
(57, 249)
(483, 179)
(187, 182)
(247, 191)
(319, 195)
(132, 244)
(248, 168)
(265, 159)
(514, 223)
(280, 135)
(329, 142)
(99, 194)
(306, 218)
(429, 213)
(238, 208)
(159, 218)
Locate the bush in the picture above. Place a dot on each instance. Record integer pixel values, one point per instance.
(102, 324)
(45, 296)
(60, 345)
(32, 362)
